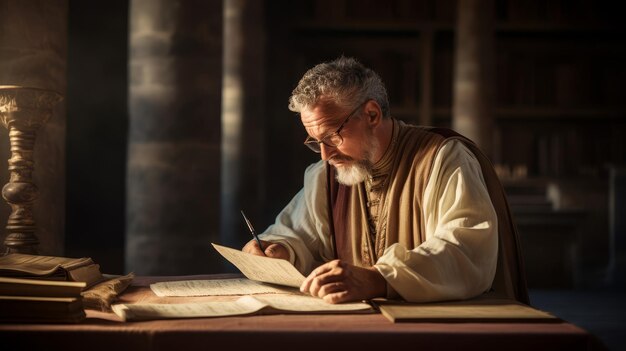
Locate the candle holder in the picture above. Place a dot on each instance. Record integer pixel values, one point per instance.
(23, 110)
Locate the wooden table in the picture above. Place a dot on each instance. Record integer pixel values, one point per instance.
(104, 331)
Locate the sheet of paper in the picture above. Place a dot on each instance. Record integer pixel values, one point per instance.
(263, 269)
(279, 303)
(217, 287)
(186, 310)
(307, 303)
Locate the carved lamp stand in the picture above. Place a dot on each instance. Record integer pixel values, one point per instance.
(22, 111)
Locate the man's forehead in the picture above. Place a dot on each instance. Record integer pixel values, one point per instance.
(321, 115)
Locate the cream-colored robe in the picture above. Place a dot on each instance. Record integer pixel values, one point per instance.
(456, 261)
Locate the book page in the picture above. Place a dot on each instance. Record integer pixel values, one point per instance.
(264, 269)
(130, 312)
(216, 287)
(243, 306)
(89, 274)
(307, 303)
(25, 265)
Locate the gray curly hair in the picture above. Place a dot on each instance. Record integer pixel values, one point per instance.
(345, 81)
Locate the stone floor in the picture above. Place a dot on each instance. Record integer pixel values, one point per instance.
(603, 313)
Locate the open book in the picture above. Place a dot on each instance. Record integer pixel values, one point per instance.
(50, 268)
(246, 305)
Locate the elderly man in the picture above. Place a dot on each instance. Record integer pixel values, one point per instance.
(391, 210)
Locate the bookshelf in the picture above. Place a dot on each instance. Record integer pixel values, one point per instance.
(560, 108)
(559, 67)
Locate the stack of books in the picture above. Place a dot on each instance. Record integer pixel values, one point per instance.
(45, 289)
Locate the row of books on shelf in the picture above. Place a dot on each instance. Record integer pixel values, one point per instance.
(422, 10)
(48, 289)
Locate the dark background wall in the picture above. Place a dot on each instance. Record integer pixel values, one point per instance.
(97, 131)
(560, 114)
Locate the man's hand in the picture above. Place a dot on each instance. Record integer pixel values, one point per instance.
(337, 281)
(272, 250)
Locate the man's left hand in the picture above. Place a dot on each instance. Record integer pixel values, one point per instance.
(337, 281)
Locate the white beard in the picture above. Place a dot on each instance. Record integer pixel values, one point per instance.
(358, 171)
(352, 174)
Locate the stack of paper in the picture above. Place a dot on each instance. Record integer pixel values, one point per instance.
(276, 279)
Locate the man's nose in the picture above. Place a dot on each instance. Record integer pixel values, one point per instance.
(327, 151)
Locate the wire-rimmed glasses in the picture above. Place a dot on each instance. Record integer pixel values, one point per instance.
(333, 139)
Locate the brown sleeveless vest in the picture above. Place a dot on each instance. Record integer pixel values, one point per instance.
(401, 218)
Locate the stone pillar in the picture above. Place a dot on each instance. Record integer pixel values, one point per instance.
(474, 71)
(33, 52)
(242, 123)
(173, 177)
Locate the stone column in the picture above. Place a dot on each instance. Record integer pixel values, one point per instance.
(242, 122)
(473, 72)
(173, 181)
(33, 47)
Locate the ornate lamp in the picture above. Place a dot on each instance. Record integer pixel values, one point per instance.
(23, 110)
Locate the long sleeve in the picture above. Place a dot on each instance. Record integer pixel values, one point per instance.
(302, 226)
(456, 261)
(458, 258)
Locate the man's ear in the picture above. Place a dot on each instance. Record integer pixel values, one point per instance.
(374, 113)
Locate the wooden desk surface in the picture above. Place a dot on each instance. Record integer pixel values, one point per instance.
(104, 331)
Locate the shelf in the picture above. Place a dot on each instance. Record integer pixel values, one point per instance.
(545, 27)
(555, 112)
(394, 27)
(365, 26)
(558, 104)
(540, 112)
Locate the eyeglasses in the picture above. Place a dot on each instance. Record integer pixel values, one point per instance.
(333, 139)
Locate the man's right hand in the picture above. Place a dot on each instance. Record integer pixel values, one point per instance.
(272, 250)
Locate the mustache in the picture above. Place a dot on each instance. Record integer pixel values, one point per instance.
(338, 158)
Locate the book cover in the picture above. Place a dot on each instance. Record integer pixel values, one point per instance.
(480, 310)
(29, 309)
(40, 288)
